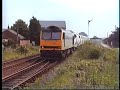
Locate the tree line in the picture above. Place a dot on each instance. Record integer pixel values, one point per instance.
(31, 31)
(113, 39)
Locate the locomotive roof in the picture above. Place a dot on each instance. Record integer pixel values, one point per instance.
(60, 24)
(53, 28)
(57, 29)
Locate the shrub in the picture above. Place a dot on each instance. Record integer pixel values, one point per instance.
(110, 55)
(22, 50)
(94, 53)
(9, 43)
(89, 51)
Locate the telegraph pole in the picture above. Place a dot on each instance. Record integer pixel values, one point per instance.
(88, 26)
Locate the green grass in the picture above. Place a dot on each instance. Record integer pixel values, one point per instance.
(82, 72)
(10, 54)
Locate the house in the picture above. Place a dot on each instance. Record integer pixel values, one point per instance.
(96, 40)
(11, 34)
(60, 24)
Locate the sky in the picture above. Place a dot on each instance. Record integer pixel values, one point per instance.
(76, 13)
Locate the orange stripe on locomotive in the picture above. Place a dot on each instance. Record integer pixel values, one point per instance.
(51, 45)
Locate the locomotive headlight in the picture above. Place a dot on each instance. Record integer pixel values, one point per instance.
(42, 47)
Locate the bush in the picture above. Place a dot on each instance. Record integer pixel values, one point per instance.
(89, 51)
(9, 43)
(22, 50)
(94, 54)
(110, 55)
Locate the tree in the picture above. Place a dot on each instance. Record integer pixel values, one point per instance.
(114, 38)
(34, 30)
(22, 28)
(95, 37)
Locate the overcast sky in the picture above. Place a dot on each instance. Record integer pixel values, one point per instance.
(76, 13)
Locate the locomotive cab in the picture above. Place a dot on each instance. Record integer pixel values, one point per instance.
(50, 42)
(50, 39)
(56, 42)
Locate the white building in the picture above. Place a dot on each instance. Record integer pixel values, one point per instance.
(96, 40)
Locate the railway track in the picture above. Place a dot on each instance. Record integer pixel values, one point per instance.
(12, 67)
(23, 76)
(10, 63)
(23, 71)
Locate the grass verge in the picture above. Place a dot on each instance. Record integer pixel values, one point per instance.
(10, 54)
(80, 71)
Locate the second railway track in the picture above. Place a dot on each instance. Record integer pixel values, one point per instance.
(16, 65)
(24, 72)
(27, 74)
(11, 63)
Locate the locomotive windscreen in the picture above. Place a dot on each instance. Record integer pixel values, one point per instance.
(51, 35)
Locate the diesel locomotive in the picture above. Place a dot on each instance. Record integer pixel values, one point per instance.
(59, 43)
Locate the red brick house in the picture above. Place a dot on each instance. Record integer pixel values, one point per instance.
(11, 34)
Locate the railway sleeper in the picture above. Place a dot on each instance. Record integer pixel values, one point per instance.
(6, 88)
(7, 85)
